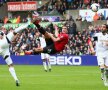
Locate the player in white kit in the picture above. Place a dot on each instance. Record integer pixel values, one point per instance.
(101, 41)
(5, 41)
(44, 56)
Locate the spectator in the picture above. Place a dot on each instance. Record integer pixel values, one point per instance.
(101, 17)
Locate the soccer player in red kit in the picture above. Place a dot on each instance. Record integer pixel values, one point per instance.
(62, 39)
(54, 44)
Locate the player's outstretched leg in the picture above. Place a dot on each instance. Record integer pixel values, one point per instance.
(48, 62)
(106, 77)
(17, 83)
(13, 73)
(41, 29)
(11, 69)
(44, 65)
(49, 66)
(102, 73)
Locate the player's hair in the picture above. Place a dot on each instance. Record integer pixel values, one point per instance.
(64, 26)
(106, 26)
(1, 33)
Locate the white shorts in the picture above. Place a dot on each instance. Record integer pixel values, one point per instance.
(102, 60)
(45, 56)
(8, 60)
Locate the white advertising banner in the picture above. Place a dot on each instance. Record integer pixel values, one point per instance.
(22, 6)
(89, 14)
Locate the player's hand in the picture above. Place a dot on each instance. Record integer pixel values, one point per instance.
(105, 43)
(34, 49)
(93, 53)
(56, 27)
(50, 34)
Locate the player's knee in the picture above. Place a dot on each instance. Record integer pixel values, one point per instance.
(8, 60)
(106, 66)
(6, 57)
(102, 66)
(10, 65)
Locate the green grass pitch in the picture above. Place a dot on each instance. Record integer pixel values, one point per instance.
(61, 78)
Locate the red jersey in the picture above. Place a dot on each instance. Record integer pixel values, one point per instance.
(60, 45)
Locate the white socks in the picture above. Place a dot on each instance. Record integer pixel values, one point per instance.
(102, 73)
(12, 71)
(49, 65)
(45, 65)
(20, 28)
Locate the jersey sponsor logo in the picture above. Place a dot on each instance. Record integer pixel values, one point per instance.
(49, 50)
(65, 60)
(61, 36)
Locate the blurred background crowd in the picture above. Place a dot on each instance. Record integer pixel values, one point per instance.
(78, 40)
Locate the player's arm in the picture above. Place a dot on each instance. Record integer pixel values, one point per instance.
(56, 30)
(91, 47)
(105, 43)
(54, 38)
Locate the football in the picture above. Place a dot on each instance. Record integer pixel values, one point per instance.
(95, 7)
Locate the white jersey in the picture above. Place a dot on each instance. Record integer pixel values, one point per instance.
(100, 43)
(43, 44)
(4, 44)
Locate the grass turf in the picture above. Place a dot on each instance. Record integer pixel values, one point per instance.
(61, 78)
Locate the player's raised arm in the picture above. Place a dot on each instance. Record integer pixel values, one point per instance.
(56, 30)
(91, 47)
(53, 38)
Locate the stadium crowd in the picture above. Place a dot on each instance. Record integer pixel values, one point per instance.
(62, 5)
(68, 4)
